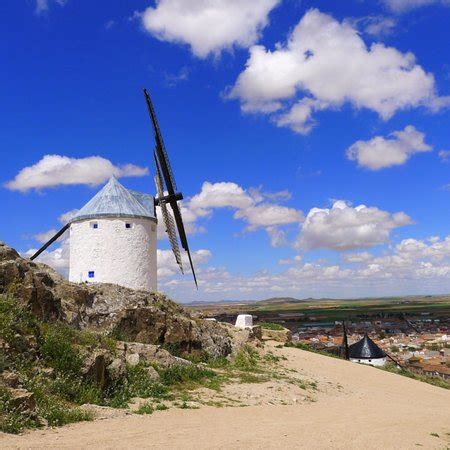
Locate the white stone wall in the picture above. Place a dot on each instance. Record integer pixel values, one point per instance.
(372, 362)
(116, 254)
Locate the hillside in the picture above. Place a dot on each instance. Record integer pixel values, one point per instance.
(353, 407)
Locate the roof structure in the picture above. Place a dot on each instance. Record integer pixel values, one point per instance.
(365, 349)
(114, 200)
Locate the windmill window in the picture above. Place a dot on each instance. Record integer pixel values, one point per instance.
(91, 274)
(128, 225)
(94, 225)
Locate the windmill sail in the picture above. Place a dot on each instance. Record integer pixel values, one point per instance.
(167, 181)
(168, 219)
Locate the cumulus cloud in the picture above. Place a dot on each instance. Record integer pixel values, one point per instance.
(254, 206)
(380, 152)
(57, 258)
(411, 267)
(401, 6)
(45, 236)
(444, 155)
(325, 64)
(43, 5)
(376, 26)
(208, 26)
(343, 227)
(57, 170)
(167, 266)
(355, 258)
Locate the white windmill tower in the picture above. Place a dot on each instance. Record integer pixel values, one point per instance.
(113, 237)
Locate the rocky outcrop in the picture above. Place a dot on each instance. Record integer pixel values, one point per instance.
(284, 335)
(135, 352)
(152, 326)
(137, 316)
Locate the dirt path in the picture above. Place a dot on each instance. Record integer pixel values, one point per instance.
(357, 407)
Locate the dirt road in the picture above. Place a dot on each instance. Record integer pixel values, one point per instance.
(356, 407)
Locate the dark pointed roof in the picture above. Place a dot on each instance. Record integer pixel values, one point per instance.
(365, 349)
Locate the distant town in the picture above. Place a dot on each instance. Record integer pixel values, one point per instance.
(413, 331)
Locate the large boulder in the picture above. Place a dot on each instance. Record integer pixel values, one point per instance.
(45, 292)
(178, 331)
(283, 335)
(137, 316)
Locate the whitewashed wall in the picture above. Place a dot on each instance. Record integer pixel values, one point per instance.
(115, 253)
(372, 362)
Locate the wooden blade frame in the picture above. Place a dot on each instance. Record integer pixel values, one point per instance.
(168, 220)
(163, 165)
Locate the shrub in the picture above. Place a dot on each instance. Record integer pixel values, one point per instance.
(58, 349)
(184, 374)
(146, 408)
(246, 359)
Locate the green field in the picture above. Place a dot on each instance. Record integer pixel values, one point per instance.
(327, 310)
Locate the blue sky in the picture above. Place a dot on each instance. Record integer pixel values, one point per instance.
(285, 108)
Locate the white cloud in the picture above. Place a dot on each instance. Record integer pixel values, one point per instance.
(67, 216)
(400, 6)
(355, 258)
(253, 206)
(343, 227)
(400, 272)
(268, 215)
(56, 170)
(43, 5)
(379, 152)
(290, 261)
(378, 26)
(325, 64)
(220, 195)
(58, 258)
(208, 26)
(167, 266)
(444, 155)
(45, 236)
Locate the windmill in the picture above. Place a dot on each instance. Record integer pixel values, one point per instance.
(167, 179)
(113, 237)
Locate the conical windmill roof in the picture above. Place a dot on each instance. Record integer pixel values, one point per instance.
(114, 200)
(365, 349)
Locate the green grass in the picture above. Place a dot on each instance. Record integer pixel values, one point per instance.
(146, 408)
(309, 348)
(271, 326)
(425, 379)
(186, 374)
(246, 359)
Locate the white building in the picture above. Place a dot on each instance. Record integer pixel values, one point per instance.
(113, 239)
(366, 351)
(244, 321)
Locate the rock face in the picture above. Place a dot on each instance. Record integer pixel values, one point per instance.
(277, 335)
(137, 316)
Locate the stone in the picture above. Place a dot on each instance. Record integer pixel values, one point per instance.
(284, 335)
(9, 379)
(135, 316)
(93, 367)
(152, 373)
(22, 400)
(116, 370)
(152, 354)
(133, 359)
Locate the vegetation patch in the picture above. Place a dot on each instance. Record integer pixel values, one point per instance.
(435, 381)
(271, 326)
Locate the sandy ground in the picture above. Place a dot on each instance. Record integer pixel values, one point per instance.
(354, 407)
